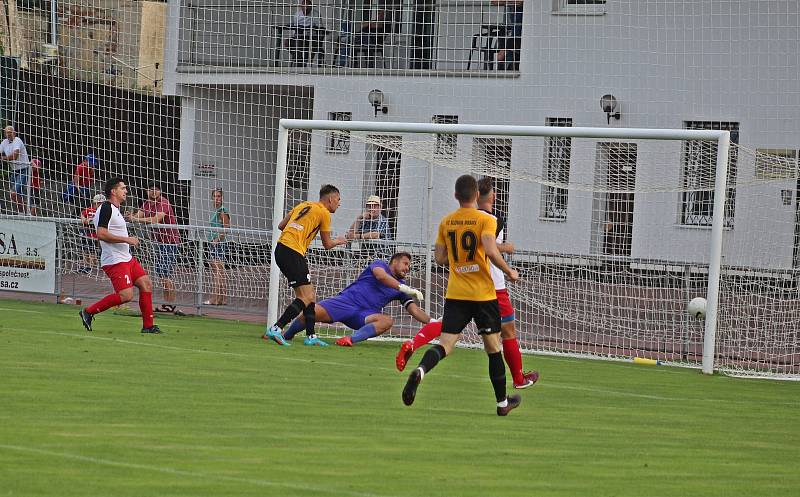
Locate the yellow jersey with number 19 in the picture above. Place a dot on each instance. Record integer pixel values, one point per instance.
(305, 221)
(460, 232)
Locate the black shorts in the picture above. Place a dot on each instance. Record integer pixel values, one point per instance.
(292, 265)
(458, 314)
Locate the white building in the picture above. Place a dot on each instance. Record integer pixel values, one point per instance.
(729, 64)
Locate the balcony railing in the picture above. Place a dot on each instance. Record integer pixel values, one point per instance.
(452, 36)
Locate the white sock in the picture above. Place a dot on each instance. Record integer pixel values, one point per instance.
(504, 403)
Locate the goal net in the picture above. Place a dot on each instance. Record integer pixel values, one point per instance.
(612, 232)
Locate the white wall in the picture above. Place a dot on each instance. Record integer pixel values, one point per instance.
(666, 63)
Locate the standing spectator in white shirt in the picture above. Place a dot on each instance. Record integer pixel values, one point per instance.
(13, 151)
(305, 42)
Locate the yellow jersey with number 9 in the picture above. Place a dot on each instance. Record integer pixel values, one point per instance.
(460, 232)
(305, 221)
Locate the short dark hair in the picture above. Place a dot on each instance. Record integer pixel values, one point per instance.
(153, 186)
(485, 186)
(327, 190)
(466, 187)
(398, 255)
(111, 184)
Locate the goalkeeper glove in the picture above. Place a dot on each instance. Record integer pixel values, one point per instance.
(411, 292)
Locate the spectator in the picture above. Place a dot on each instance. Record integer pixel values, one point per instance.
(36, 184)
(158, 210)
(511, 40)
(218, 250)
(370, 224)
(302, 17)
(81, 181)
(13, 151)
(303, 40)
(370, 38)
(88, 235)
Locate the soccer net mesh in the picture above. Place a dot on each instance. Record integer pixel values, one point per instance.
(612, 236)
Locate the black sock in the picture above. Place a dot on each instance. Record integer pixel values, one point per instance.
(291, 312)
(497, 373)
(432, 357)
(310, 317)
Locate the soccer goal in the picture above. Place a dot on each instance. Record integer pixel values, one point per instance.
(615, 231)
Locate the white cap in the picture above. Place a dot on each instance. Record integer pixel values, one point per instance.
(99, 198)
(373, 199)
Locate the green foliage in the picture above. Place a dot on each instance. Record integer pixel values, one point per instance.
(209, 409)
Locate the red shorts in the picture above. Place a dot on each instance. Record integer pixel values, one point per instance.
(124, 274)
(506, 310)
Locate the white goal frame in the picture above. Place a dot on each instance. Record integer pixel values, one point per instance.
(722, 138)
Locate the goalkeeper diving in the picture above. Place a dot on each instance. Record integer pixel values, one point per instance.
(359, 306)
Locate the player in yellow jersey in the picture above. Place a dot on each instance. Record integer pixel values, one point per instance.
(467, 242)
(298, 230)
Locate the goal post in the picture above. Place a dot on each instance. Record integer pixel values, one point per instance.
(720, 137)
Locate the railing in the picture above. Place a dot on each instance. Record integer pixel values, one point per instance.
(455, 36)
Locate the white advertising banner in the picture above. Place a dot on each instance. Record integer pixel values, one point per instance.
(27, 256)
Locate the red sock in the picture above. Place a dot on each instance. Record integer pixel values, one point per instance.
(146, 306)
(513, 358)
(105, 303)
(426, 334)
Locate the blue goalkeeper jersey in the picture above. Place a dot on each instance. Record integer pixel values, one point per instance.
(368, 293)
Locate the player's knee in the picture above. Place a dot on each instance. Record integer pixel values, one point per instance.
(383, 324)
(144, 284)
(306, 294)
(126, 295)
(491, 343)
(508, 331)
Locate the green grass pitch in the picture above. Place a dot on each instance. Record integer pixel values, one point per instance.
(209, 409)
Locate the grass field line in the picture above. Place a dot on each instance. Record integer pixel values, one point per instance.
(20, 310)
(547, 384)
(193, 474)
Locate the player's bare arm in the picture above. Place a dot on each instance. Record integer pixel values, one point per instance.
(106, 236)
(505, 248)
(284, 221)
(417, 313)
(328, 242)
(493, 253)
(440, 254)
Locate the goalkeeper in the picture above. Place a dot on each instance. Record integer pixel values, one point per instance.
(359, 305)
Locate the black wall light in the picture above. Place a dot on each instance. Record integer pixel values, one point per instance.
(609, 105)
(375, 98)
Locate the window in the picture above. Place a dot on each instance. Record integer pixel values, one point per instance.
(776, 163)
(297, 164)
(699, 169)
(557, 156)
(339, 141)
(446, 144)
(493, 156)
(578, 7)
